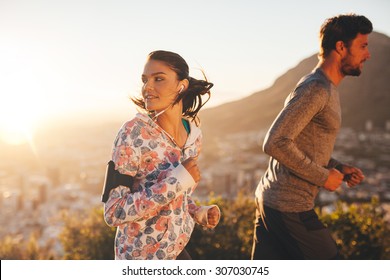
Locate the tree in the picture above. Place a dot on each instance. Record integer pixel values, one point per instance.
(16, 248)
(232, 238)
(360, 230)
(88, 237)
(10, 249)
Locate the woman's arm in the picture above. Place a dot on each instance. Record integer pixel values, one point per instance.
(125, 206)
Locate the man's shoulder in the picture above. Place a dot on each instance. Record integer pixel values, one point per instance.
(314, 83)
(315, 79)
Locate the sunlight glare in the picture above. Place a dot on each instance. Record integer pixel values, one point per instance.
(16, 131)
(21, 104)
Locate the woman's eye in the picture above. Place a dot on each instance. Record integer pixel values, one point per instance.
(158, 79)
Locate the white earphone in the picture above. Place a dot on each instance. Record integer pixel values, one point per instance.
(181, 89)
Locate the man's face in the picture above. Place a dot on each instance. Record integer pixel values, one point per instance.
(356, 54)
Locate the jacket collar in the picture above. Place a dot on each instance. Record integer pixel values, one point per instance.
(195, 131)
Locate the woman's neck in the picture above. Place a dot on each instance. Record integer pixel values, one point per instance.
(171, 123)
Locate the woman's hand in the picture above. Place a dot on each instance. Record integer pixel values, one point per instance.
(208, 216)
(213, 216)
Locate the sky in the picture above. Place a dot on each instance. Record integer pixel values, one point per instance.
(82, 59)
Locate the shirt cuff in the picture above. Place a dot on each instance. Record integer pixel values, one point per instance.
(183, 176)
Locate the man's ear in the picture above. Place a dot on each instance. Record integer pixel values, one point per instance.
(340, 47)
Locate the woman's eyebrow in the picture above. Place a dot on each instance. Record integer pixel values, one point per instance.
(155, 74)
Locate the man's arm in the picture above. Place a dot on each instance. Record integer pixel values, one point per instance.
(280, 139)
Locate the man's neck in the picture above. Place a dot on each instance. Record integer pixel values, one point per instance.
(331, 68)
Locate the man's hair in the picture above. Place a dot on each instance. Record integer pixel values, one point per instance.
(342, 28)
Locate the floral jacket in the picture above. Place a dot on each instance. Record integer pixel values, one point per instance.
(155, 222)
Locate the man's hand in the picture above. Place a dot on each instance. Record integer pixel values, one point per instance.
(352, 175)
(335, 178)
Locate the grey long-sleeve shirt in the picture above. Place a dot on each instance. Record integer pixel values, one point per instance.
(300, 143)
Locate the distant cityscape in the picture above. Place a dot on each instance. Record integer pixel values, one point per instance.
(33, 199)
(242, 163)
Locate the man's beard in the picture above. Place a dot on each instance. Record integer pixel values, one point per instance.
(349, 70)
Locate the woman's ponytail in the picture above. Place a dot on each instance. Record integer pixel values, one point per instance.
(192, 97)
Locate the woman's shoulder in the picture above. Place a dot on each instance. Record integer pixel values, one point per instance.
(138, 121)
(139, 128)
(195, 131)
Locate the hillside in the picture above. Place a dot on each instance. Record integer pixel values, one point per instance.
(364, 98)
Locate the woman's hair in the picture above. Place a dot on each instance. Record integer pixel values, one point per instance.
(342, 28)
(192, 96)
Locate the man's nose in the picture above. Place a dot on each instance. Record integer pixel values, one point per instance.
(368, 54)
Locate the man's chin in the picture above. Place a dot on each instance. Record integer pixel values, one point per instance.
(353, 72)
(357, 72)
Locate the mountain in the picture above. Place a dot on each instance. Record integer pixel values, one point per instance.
(363, 98)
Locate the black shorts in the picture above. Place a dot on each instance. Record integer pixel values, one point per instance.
(288, 236)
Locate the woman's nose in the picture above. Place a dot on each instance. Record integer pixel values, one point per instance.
(148, 87)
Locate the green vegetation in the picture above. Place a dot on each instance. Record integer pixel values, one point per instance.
(88, 238)
(14, 248)
(232, 238)
(360, 231)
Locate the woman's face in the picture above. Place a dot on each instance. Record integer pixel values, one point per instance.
(160, 85)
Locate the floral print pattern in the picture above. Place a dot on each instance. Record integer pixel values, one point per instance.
(155, 222)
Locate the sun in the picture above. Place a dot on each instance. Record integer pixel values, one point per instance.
(17, 122)
(20, 111)
(16, 131)
(21, 105)
(19, 115)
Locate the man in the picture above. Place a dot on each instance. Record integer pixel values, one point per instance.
(300, 143)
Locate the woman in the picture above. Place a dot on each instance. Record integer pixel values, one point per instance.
(155, 214)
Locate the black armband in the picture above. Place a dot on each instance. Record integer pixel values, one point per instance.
(114, 179)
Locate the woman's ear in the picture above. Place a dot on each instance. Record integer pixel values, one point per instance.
(183, 85)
